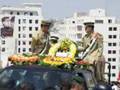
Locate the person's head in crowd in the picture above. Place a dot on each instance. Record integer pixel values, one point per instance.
(65, 85)
(77, 83)
(26, 86)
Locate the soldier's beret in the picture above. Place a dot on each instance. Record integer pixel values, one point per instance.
(89, 23)
(45, 23)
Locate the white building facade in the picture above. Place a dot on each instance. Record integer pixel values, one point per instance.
(73, 28)
(27, 19)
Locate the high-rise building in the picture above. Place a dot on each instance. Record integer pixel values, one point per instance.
(25, 21)
(73, 28)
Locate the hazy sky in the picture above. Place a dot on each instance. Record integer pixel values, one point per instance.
(65, 8)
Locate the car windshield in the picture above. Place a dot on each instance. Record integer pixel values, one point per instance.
(39, 78)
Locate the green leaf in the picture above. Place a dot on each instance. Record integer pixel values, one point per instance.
(27, 54)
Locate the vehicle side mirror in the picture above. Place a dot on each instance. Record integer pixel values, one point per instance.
(102, 87)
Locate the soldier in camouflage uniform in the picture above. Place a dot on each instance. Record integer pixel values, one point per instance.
(92, 47)
(40, 41)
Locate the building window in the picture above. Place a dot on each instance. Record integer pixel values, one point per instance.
(30, 35)
(19, 36)
(24, 36)
(24, 28)
(73, 21)
(114, 44)
(98, 21)
(114, 36)
(24, 20)
(31, 14)
(109, 20)
(3, 49)
(30, 42)
(24, 43)
(114, 51)
(110, 36)
(30, 49)
(36, 28)
(79, 35)
(79, 27)
(30, 28)
(110, 28)
(115, 28)
(113, 74)
(19, 28)
(19, 21)
(18, 50)
(18, 13)
(113, 67)
(30, 21)
(114, 59)
(3, 42)
(24, 49)
(36, 21)
(109, 52)
(11, 13)
(109, 59)
(25, 13)
(18, 42)
(109, 44)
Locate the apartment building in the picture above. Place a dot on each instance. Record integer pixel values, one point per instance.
(25, 21)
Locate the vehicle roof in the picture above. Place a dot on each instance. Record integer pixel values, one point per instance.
(38, 67)
(44, 68)
(83, 71)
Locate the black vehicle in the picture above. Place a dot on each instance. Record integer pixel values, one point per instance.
(42, 77)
